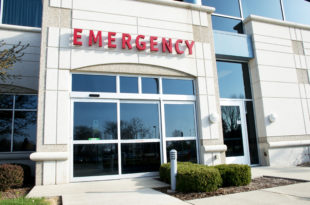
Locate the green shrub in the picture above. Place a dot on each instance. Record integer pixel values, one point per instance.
(198, 179)
(28, 178)
(234, 174)
(11, 176)
(164, 170)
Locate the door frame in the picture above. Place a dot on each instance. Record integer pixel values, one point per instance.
(245, 159)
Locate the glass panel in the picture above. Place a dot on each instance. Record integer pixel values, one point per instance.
(232, 130)
(93, 83)
(6, 101)
(140, 157)
(297, 11)
(129, 84)
(139, 121)
(5, 130)
(251, 133)
(225, 7)
(226, 24)
(230, 77)
(180, 120)
(95, 121)
(180, 87)
(266, 8)
(186, 150)
(26, 102)
(25, 124)
(21, 12)
(150, 85)
(95, 160)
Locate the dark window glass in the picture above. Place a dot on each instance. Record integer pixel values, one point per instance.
(95, 160)
(93, 83)
(251, 133)
(5, 130)
(177, 86)
(21, 12)
(231, 122)
(26, 102)
(95, 121)
(141, 157)
(139, 121)
(150, 85)
(180, 120)
(186, 150)
(25, 131)
(129, 84)
(233, 80)
(6, 101)
(226, 24)
(266, 8)
(230, 7)
(297, 11)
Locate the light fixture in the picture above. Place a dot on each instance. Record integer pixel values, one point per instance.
(213, 118)
(272, 117)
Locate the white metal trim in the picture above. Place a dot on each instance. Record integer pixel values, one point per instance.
(241, 9)
(227, 16)
(282, 10)
(1, 14)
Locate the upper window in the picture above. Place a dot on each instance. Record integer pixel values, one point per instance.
(179, 87)
(22, 12)
(297, 11)
(93, 83)
(230, 7)
(227, 24)
(18, 117)
(266, 8)
(233, 80)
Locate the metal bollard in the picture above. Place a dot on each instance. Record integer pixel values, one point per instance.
(174, 168)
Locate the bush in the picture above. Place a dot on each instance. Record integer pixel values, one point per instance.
(198, 179)
(234, 174)
(164, 170)
(11, 176)
(28, 178)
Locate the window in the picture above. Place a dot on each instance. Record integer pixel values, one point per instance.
(93, 83)
(129, 84)
(18, 118)
(224, 7)
(178, 87)
(266, 8)
(22, 12)
(297, 11)
(227, 24)
(233, 80)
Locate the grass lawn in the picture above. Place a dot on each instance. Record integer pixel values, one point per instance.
(24, 201)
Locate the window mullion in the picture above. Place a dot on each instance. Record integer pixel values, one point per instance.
(1, 11)
(12, 126)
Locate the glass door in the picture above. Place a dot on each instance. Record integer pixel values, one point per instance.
(235, 132)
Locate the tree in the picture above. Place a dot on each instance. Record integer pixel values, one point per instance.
(10, 56)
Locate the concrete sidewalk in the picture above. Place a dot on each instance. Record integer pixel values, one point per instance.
(139, 191)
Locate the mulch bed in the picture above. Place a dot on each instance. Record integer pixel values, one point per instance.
(306, 164)
(256, 184)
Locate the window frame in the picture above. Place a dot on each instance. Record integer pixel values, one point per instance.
(13, 110)
(1, 11)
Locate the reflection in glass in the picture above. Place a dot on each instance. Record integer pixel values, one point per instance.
(26, 102)
(180, 120)
(150, 85)
(6, 101)
(230, 8)
(25, 131)
(5, 130)
(140, 157)
(179, 87)
(139, 121)
(266, 8)
(251, 133)
(128, 84)
(297, 11)
(95, 160)
(95, 121)
(186, 150)
(93, 83)
(231, 83)
(226, 24)
(232, 130)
